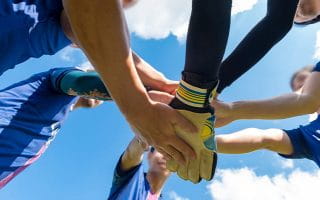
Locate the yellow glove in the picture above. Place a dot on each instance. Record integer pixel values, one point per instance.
(203, 142)
(203, 167)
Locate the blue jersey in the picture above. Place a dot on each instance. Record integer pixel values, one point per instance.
(317, 67)
(311, 135)
(29, 29)
(130, 185)
(31, 113)
(305, 141)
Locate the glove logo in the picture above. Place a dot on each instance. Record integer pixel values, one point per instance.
(207, 133)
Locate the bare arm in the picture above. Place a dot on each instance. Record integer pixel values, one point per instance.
(133, 155)
(115, 51)
(284, 106)
(153, 78)
(92, 22)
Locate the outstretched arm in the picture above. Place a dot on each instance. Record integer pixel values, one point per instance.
(92, 22)
(84, 84)
(153, 78)
(133, 155)
(257, 43)
(252, 139)
(284, 106)
(89, 84)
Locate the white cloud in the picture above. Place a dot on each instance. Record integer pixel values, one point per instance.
(317, 52)
(67, 54)
(313, 116)
(244, 184)
(287, 163)
(157, 19)
(86, 66)
(239, 6)
(174, 196)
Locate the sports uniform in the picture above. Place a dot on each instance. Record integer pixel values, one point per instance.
(306, 142)
(306, 139)
(29, 29)
(27, 123)
(132, 184)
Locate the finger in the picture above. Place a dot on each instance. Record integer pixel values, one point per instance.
(194, 170)
(164, 153)
(207, 163)
(172, 165)
(176, 153)
(160, 96)
(180, 121)
(182, 150)
(218, 123)
(172, 87)
(183, 172)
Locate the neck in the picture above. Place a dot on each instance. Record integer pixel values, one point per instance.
(156, 182)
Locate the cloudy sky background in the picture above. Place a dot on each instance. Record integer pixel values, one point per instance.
(79, 163)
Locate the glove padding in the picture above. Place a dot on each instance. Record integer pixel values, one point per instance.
(203, 143)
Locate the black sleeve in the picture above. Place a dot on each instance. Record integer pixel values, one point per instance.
(267, 33)
(207, 38)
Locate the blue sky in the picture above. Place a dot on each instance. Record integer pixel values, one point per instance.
(79, 163)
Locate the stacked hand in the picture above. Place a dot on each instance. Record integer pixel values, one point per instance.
(161, 132)
(223, 113)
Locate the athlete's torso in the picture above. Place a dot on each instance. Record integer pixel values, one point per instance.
(31, 113)
(131, 185)
(29, 28)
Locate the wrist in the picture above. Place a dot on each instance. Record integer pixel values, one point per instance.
(138, 108)
(237, 110)
(159, 82)
(232, 111)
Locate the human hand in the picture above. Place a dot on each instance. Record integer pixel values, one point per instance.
(169, 86)
(141, 143)
(159, 96)
(223, 113)
(156, 126)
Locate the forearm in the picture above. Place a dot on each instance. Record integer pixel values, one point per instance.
(258, 42)
(253, 139)
(133, 155)
(281, 107)
(94, 21)
(148, 75)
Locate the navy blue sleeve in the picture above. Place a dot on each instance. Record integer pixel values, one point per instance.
(121, 177)
(317, 67)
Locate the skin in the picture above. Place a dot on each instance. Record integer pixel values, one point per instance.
(253, 139)
(157, 173)
(304, 101)
(86, 103)
(307, 10)
(284, 106)
(112, 59)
